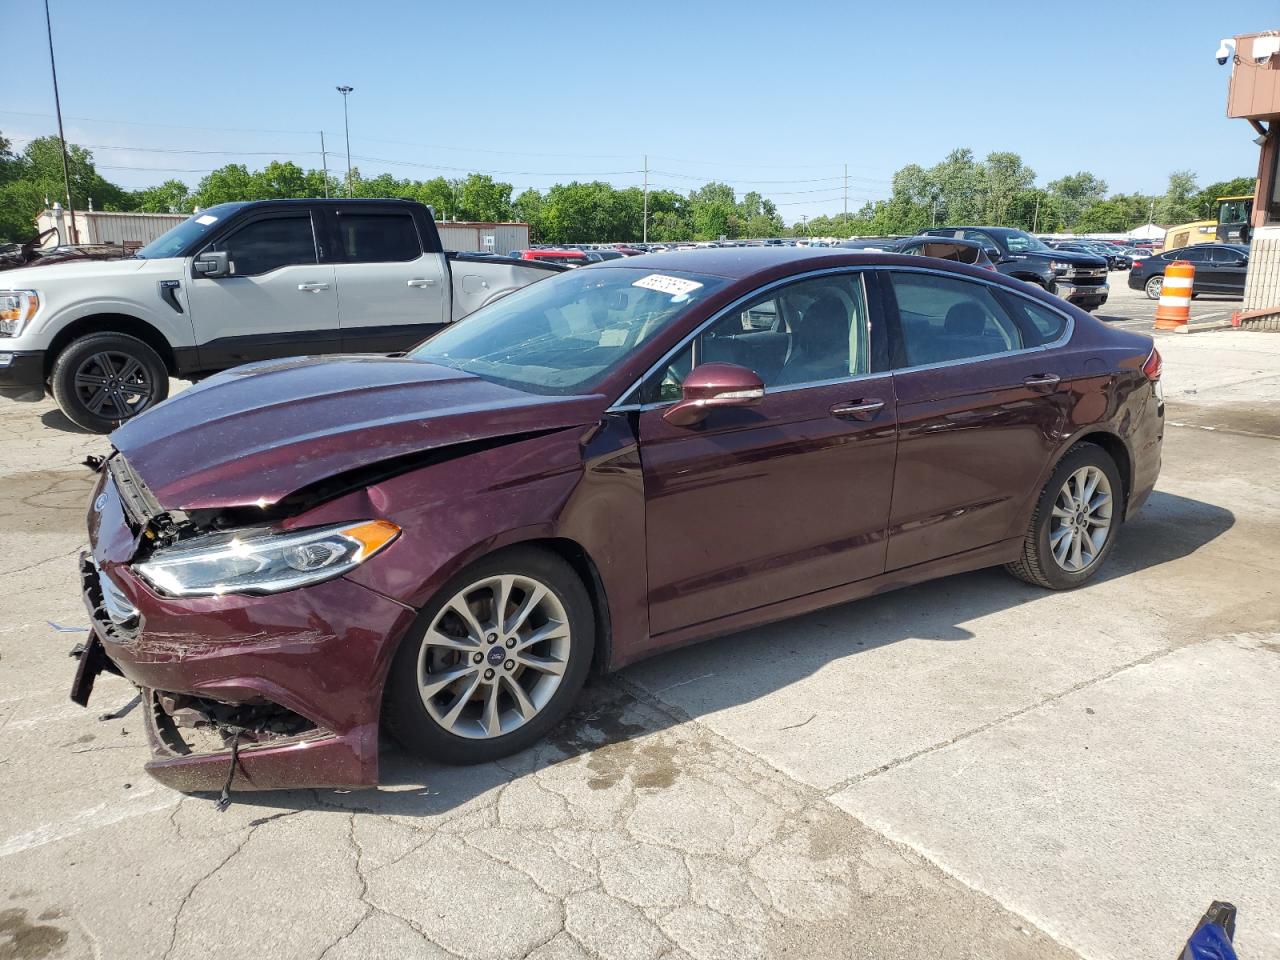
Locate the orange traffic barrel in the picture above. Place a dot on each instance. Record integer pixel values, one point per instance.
(1174, 309)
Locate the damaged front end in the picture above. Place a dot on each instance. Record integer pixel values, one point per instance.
(268, 685)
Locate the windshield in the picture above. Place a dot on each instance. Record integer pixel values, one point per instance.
(1019, 242)
(566, 334)
(173, 241)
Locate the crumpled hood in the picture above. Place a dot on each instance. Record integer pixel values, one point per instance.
(254, 434)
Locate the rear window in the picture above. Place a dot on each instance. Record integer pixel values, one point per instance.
(378, 237)
(1039, 324)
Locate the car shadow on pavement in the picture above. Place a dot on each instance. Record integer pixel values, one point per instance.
(753, 664)
(56, 420)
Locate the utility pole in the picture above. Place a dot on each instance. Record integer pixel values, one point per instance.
(347, 127)
(57, 105)
(324, 162)
(1151, 212)
(934, 216)
(1035, 217)
(644, 229)
(846, 196)
(804, 224)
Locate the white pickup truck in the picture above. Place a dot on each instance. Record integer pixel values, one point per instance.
(235, 283)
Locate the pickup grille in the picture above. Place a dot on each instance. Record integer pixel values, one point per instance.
(1087, 276)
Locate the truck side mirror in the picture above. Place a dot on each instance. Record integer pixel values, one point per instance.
(211, 265)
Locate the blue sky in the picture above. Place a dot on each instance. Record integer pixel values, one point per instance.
(770, 96)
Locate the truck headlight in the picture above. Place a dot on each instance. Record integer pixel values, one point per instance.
(16, 308)
(1059, 267)
(264, 562)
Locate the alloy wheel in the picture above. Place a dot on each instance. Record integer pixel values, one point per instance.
(1154, 287)
(1081, 519)
(494, 656)
(113, 385)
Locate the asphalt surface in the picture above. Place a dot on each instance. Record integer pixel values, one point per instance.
(969, 768)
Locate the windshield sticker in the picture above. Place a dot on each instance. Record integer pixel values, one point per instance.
(676, 286)
(206, 219)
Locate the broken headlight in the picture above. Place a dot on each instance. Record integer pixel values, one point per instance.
(264, 562)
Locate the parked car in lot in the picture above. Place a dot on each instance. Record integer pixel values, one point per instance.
(1220, 268)
(1078, 278)
(553, 255)
(948, 248)
(236, 283)
(617, 461)
(1115, 257)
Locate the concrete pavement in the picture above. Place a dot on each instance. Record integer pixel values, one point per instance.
(970, 768)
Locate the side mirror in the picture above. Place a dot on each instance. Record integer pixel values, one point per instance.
(211, 265)
(713, 386)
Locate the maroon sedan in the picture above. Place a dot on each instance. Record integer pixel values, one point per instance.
(613, 462)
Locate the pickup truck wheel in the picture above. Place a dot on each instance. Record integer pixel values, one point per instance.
(104, 379)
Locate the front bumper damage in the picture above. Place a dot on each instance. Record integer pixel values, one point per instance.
(289, 684)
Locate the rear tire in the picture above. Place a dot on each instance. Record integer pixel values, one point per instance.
(104, 379)
(1154, 286)
(502, 697)
(1075, 521)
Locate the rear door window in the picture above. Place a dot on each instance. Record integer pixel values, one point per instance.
(944, 319)
(1038, 323)
(378, 237)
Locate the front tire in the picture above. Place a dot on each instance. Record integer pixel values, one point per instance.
(494, 661)
(104, 379)
(1074, 524)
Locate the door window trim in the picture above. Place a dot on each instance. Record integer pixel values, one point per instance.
(997, 289)
(235, 227)
(622, 404)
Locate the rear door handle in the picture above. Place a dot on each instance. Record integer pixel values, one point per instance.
(421, 282)
(313, 287)
(1043, 381)
(857, 409)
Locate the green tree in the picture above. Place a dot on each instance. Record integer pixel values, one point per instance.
(481, 198)
(1004, 177)
(172, 196)
(528, 208)
(226, 184)
(1117, 214)
(1076, 193)
(34, 177)
(1177, 205)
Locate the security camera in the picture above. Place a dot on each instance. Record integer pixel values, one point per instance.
(1226, 48)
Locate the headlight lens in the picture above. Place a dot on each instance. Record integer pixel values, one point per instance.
(265, 563)
(1059, 267)
(17, 307)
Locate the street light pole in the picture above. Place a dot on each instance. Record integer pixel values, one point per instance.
(344, 90)
(57, 105)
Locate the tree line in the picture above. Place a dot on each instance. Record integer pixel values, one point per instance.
(1000, 190)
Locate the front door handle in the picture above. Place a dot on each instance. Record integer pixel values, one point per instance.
(1043, 381)
(421, 282)
(313, 287)
(857, 409)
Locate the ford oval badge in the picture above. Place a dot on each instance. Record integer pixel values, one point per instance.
(99, 503)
